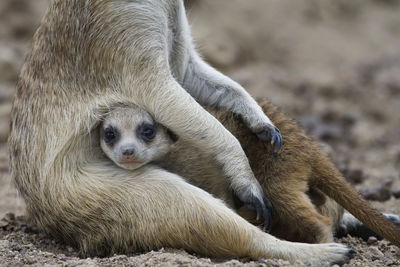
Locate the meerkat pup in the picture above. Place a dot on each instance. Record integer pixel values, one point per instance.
(131, 138)
(302, 197)
(89, 55)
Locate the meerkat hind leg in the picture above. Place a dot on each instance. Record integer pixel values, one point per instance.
(199, 222)
(304, 222)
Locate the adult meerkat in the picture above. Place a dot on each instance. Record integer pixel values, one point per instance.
(89, 55)
(131, 138)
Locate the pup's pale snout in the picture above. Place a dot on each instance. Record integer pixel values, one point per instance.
(128, 151)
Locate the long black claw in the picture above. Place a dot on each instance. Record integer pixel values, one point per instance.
(264, 210)
(271, 134)
(352, 253)
(349, 255)
(277, 140)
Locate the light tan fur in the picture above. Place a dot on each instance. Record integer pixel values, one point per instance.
(88, 56)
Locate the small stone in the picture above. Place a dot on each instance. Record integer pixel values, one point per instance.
(15, 246)
(355, 176)
(376, 253)
(118, 257)
(30, 260)
(64, 258)
(379, 193)
(327, 132)
(396, 193)
(387, 261)
(3, 223)
(9, 217)
(372, 240)
(4, 244)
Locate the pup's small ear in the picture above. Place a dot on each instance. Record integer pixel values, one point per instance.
(172, 136)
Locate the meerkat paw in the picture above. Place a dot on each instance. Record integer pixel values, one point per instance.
(271, 133)
(337, 254)
(261, 206)
(330, 253)
(250, 214)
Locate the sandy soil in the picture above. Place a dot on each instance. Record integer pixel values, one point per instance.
(332, 65)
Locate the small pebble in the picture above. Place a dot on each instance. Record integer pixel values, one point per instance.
(30, 260)
(15, 246)
(376, 253)
(396, 193)
(387, 261)
(3, 223)
(379, 193)
(4, 244)
(65, 258)
(372, 240)
(9, 217)
(355, 176)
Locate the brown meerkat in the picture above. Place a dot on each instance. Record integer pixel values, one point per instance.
(90, 55)
(302, 183)
(302, 197)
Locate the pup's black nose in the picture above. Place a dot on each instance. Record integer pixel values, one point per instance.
(128, 151)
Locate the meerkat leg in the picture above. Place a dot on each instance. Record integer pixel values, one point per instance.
(332, 210)
(166, 211)
(299, 220)
(211, 88)
(174, 108)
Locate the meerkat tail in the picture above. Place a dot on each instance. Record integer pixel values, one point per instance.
(329, 180)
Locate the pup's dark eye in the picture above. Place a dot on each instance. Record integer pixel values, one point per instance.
(148, 132)
(110, 135)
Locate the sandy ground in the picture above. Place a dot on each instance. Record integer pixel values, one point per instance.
(332, 65)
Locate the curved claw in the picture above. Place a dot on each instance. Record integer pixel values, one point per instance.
(264, 210)
(271, 134)
(349, 255)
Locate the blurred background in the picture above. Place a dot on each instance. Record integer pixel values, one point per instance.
(334, 66)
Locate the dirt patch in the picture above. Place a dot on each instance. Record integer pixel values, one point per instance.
(334, 66)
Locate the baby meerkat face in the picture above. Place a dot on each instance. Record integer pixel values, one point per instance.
(131, 138)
